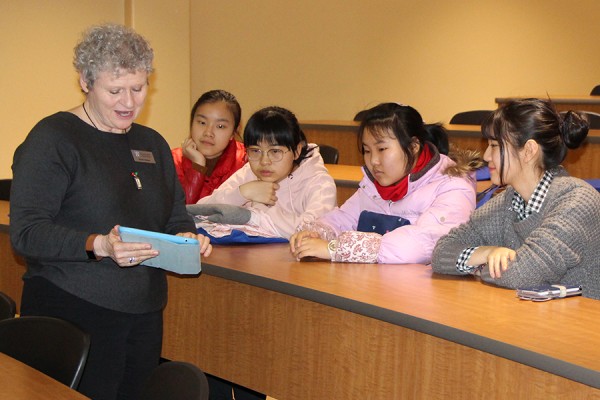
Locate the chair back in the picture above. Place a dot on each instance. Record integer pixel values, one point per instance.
(474, 117)
(8, 307)
(330, 154)
(592, 117)
(176, 380)
(595, 91)
(5, 185)
(53, 346)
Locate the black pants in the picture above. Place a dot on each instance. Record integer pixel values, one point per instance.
(124, 347)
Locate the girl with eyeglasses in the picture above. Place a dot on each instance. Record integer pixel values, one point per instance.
(411, 194)
(285, 181)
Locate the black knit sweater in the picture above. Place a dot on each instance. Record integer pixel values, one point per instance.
(71, 180)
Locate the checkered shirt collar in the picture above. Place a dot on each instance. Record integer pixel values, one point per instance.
(537, 198)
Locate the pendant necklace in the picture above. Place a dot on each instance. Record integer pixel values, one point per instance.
(88, 115)
(134, 174)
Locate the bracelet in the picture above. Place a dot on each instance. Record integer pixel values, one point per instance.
(332, 247)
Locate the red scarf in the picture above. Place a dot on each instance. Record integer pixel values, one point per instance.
(397, 191)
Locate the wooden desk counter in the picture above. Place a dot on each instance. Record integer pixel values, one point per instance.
(562, 102)
(21, 382)
(321, 330)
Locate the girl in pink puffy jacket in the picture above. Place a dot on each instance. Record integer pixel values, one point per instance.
(411, 194)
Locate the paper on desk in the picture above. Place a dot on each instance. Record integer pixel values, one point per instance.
(181, 258)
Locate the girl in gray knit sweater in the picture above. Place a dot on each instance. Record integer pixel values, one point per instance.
(543, 229)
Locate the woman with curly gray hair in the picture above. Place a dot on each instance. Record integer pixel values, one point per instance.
(77, 177)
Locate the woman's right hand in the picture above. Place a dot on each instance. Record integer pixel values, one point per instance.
(191, 152)
(125, 254)
(260, 192)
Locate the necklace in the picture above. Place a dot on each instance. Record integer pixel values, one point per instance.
(134, 174)
(88, 115)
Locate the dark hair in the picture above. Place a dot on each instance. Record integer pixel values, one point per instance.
(214, 96)
(534, 119)
(276, 126)
(406, 124)
(360, 115)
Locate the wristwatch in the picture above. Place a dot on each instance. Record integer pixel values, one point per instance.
(332, 247)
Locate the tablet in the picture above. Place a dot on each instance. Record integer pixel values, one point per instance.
(176, 253)
(156, 235)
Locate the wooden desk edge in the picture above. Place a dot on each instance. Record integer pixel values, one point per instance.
(545, 363)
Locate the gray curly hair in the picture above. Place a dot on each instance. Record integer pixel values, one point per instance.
(111, 47)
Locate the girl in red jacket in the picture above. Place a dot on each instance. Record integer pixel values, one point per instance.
(211, 153)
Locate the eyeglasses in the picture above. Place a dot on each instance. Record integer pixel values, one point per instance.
(275, 155)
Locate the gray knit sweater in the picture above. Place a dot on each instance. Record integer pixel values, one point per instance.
(560, 244)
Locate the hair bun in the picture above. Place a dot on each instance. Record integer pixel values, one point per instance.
(574, 128)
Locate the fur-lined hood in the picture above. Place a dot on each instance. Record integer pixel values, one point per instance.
(466, 160)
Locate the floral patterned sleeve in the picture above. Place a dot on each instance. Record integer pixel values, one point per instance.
(359, 247)
(325, 231)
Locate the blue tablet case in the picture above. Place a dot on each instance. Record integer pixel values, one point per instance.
(177, 254)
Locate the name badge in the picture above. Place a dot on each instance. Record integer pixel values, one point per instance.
(143, 156)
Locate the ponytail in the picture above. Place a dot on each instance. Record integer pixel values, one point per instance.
(437, 135)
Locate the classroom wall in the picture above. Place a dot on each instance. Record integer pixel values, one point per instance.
(37, 77)
(330, 59)
(322, 59)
